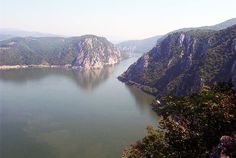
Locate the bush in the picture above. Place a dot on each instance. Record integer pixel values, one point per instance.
(190, 126)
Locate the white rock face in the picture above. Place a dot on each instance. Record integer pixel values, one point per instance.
(95, 53)
(190, 59)
(181, 39)
(181, 54)
(146, 59)
(170, 61)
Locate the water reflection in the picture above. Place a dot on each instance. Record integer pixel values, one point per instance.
(90, 79)
(85, 79)
(21, 76)
(142, 100)
(60, 113)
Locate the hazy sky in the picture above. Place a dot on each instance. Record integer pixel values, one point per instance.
(115, 19)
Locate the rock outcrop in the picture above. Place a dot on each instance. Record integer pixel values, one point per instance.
(96, 53)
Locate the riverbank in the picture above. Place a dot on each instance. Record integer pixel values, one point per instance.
(67, 66)
(144, 88)
(8, 67)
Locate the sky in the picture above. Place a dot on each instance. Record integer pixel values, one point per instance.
(114, 19)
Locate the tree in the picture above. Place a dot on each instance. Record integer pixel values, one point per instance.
(191, 125)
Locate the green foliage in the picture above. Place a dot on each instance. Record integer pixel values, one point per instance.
(153, 145)
(190, 126)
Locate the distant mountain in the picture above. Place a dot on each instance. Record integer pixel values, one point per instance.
(216, 27)
(219, 26)
(185, 61)
(143, 46)
(138, 46)
(6, 33)
(87, 52)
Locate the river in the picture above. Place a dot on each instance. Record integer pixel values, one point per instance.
(58, 113)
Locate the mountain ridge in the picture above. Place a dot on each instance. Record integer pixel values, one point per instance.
(8, 33)
(216, 27)
(88, 51)
(144, 45)
(185, 61)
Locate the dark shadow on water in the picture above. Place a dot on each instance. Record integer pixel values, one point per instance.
(143, 100)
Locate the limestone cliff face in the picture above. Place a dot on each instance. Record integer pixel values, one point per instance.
(185, 61)
(87, 52)
(95, 53)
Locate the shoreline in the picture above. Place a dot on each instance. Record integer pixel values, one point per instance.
(67, 66)
(144, 88)
(10, 67)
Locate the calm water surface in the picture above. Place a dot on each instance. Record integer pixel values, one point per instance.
(54, 113)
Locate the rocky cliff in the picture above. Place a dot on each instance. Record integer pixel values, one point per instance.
(185, 61)
(95, 53)
(89, 52)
